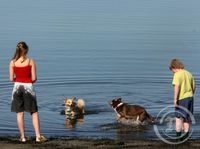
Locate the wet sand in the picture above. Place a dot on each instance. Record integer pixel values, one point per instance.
(78, 143)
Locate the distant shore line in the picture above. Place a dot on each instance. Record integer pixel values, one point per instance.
(84, 143)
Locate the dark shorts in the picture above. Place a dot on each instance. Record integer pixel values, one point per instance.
(184, 109)
(24, 98)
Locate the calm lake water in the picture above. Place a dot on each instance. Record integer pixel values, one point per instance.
(97, 50)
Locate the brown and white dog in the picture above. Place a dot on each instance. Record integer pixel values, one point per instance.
(126, 111)
(74, 108)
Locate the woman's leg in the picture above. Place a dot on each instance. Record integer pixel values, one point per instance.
(36, 123)
(20, 122)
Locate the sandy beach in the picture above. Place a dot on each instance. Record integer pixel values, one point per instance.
(78, 143)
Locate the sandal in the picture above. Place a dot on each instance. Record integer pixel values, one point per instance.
(22, 139)
(41, 139)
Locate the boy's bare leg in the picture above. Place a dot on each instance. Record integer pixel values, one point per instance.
(179, 125)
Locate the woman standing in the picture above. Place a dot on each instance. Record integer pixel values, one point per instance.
(23, 73)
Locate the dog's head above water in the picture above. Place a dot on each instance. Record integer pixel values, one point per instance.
(69, 101)
(115, 102)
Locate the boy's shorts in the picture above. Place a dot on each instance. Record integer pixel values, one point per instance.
(184, 108)
(23, 98)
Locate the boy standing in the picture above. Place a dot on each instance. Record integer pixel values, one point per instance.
(184, 88)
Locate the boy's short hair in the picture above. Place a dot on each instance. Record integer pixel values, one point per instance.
(176, 64)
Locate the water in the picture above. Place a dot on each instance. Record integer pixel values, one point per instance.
(97, 50)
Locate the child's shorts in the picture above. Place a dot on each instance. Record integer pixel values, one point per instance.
(23, 98)
(184, 109)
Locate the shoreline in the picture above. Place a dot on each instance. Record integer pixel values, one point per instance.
(84, 143)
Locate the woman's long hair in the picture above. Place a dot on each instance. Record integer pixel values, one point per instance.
(21, 51)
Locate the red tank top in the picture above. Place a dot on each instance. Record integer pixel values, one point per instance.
(23, 74)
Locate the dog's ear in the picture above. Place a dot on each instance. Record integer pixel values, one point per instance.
(110, 103)
(119, 99)
(73, 98)
(65, 100)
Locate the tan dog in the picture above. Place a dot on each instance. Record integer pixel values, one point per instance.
(134, 112)
(74, 108)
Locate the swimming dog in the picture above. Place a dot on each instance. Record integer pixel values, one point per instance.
(74, 108)
(126, 111)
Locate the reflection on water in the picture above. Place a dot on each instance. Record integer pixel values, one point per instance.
(97, 50)
(72, 122)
